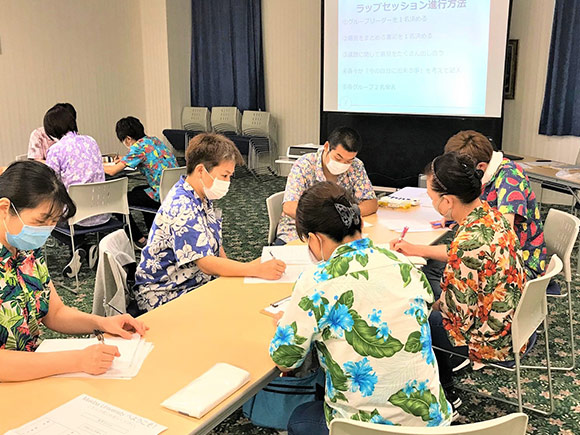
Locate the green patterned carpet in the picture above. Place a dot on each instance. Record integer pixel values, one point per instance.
(245, 232)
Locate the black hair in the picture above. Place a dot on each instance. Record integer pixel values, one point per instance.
(29, 183)
(455, 174)
(59, 120)
(329, 209)
(347, 137)
(129, 127)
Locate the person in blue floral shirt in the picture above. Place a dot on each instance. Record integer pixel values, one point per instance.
(32, 201)
(150, 156)
(335, 162)
(184, 249)
(365, 309)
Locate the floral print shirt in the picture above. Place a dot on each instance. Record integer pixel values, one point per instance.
(306, 172)
(151, 157)
(77, 160)
(39, 144)
(366, 311)
(24, 297)
(186, 228)
(510, 192)
(482, 284)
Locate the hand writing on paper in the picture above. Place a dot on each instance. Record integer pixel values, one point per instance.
(123, 325)
(404, 247)
(97, 359)
(271, 269)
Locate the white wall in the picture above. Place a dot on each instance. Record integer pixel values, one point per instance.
(291, 35)
(86, 53)
(532, 25)
(109, 58)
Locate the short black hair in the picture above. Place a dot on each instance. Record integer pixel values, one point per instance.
(129, 127)
(59, 120)
(29, 183)
(347, 137)
(317, 212)
(455, 174)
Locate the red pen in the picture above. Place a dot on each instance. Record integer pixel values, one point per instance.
(403, 233)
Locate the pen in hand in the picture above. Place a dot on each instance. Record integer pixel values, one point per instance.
(99, 334)
(403, 234)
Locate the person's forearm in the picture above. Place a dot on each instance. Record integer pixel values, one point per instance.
(72, 321)
(289, 208)
(368, 206)
(219, 266)
(22, 366)
(435, 252)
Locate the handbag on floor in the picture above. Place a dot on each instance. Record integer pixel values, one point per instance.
(273, 405)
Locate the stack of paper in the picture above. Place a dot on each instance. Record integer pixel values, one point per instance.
(296, 257)
(88, 416)
(133, 353)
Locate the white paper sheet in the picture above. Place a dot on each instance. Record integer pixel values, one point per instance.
(86, 415)
(296, 257)
(205, 392)
(417, 218)
(133, 353)
(278, 306)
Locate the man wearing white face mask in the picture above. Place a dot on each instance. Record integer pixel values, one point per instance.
(185, 249)
(335, 162)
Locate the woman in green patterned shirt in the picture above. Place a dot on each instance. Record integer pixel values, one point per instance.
(32, 201)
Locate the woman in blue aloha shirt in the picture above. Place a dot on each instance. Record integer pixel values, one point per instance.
(185, 249)
(365, 309)
(32, 201)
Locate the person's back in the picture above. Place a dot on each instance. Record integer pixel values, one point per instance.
(74, 157)
(366, 312)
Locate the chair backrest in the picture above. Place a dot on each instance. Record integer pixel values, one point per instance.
(169, 177)
(274, 206)
(226, 120)
(560, 233)
(93, 199)
(21, 157)
(196, 119)
(512, 424)
(533, 308)
(260, 124)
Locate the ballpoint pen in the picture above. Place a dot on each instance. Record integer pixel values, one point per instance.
(99, 334)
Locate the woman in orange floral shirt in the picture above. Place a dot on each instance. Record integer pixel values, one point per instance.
(484, 275)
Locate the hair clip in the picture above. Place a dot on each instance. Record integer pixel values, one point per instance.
(348, 215)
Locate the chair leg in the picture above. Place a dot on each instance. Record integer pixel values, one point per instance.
(72, 240)
(518, 382)
(548, 363)
(127, 222)
(571, 319)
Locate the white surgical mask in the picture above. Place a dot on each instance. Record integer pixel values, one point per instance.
(336, 168)
(218, 189)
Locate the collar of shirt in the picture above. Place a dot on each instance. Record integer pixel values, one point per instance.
(475, 214)
(356, 245)
(319, 172)
(200, 204)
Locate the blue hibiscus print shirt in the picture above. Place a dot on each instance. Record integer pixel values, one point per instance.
(186, 228)
(366, 312)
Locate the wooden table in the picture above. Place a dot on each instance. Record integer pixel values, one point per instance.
(219, 322)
